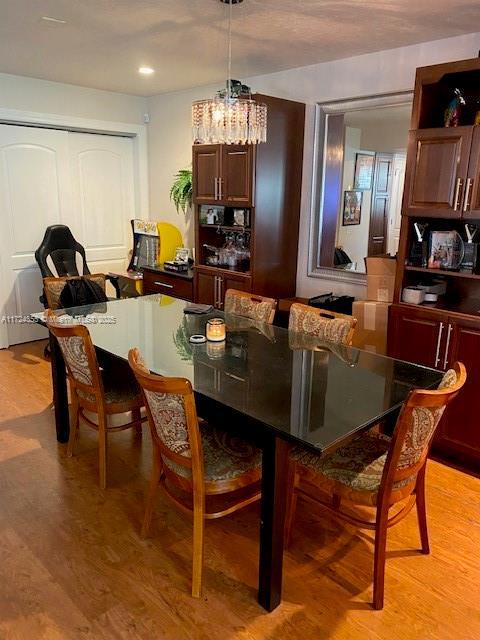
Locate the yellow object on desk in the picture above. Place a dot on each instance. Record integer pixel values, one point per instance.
(170, 238)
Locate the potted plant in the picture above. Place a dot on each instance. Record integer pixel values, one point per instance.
(181, 192)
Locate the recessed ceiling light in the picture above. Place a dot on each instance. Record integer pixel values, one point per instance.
(56, 20)
(146, 71)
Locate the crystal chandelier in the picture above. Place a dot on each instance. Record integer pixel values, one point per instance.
(229, 118)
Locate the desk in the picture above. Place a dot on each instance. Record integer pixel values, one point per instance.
(275, 388)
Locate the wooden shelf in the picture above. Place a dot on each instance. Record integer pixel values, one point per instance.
(443, 272)
(225, 227)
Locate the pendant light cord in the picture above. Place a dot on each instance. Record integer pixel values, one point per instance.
(229, 67)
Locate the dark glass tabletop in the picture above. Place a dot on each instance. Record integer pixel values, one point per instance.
(316, 393)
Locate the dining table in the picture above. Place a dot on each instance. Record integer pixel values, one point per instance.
(273, 387)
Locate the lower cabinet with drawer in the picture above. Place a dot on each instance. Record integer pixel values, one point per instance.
(437, 339)
(177, 285)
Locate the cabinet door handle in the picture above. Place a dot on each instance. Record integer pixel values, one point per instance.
(456, 199)
(220, 188)
(439, 340)
(220, 286)
(216, 188)
(468, 188)
(215, 294)
(445, 360)
(162, 284)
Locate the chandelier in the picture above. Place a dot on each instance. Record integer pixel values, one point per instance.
(231, 117)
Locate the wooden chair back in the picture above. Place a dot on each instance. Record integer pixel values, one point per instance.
(53, 287)
(249, 305)
(415, 430)
(173, 421)
(324, 324)
(80, 357)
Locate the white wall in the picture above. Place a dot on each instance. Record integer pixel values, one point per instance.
(30, 94)
(353, 239)
(374, 73)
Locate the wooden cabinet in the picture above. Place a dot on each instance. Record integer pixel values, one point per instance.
(236, 184)
(211, 285)
(207, 161)
(439, 339)
(416, 335)
(256, 252)
(458, 434)
(175, 285)
(222, 174)
(471, 203)
(437, 173)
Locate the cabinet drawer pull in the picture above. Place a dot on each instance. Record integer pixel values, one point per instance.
(445, 360)
(456, 199)
(468, 188)
(163, 284)
(439, 339)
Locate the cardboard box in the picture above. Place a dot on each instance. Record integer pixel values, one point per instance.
(380, 278)
(372, 324)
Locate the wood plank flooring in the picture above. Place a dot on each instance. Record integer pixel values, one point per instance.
(72, 564)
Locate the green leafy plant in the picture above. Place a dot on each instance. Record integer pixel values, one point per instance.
(181, 192)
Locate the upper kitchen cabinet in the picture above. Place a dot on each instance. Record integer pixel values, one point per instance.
(223, 174)
(207, 162)
(443, 164)
(471, 204)
(438, 173)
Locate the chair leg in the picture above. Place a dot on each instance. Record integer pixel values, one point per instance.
(137, 420)
(379, 559)
(291, 506)
(198, 544)
(73, 425)
(102, 450)
(421, 510)
(152, 494)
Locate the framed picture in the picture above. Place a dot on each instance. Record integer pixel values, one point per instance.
(364, 163)
(211, 214)
(352, 207)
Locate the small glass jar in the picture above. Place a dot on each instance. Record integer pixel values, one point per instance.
(216, 330)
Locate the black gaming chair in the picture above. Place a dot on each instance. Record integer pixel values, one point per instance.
(60, 246)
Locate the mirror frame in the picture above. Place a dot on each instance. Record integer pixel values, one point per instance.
(322, 113)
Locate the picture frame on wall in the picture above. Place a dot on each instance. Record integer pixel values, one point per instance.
(352, 207)
(364, 164)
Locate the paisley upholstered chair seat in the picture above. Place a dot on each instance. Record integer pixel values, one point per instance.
(354, 471)
(225, 457)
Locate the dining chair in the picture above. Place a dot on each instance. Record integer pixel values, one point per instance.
(53, 287)
(204, 471)
(324, 324)
(249, 305)
(99, 396)
(376, 471)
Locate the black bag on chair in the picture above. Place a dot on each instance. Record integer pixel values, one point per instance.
(80, 292)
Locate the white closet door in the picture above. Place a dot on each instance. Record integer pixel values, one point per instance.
(85, 181)
(103, 198)
(34, 193)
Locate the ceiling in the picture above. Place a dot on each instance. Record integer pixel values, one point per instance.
(104, 42)
(398, 116)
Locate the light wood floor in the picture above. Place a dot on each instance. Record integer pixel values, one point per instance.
(72, 564)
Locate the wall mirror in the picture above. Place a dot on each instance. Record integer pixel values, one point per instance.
(359, 175)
